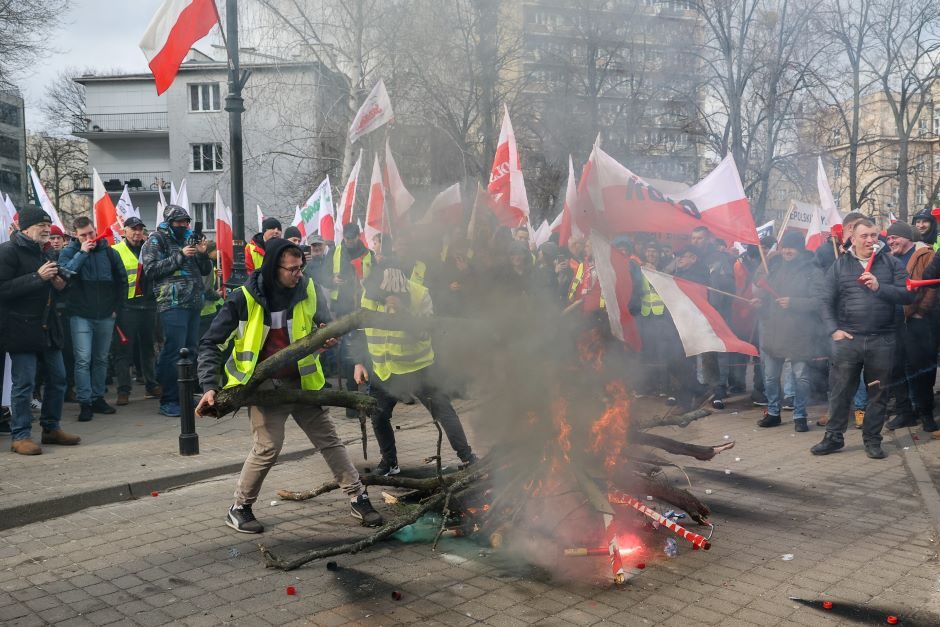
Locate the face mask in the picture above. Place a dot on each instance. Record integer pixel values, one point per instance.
(180, 232)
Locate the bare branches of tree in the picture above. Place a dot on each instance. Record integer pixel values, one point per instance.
(24, 30)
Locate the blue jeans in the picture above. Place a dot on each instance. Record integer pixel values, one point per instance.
(789, 381)
(861, 394)
(24, 367)
(91, 343)
(773, 367)
(180, 330)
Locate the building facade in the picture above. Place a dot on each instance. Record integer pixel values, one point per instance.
(13, 177)
(146, 141)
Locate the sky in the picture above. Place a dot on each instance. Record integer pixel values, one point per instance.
(101, 34)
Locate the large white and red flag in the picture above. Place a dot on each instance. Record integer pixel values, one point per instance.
(177, 25)
(567, 228)
(318, 212)
(616, 200)
(701, 328)
(830, 215)
(400, 200)
(376, 221)
(106, 218)
(613, 273)
(446, 209)
(374, 113)
(346, 201)
(44, 200)
(815, 234)
(223, 237)
(507, 186)
(11, 209)
(298, 221)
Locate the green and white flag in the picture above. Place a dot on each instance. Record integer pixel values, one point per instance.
(318, 214)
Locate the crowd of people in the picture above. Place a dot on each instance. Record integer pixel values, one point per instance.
(838, 326)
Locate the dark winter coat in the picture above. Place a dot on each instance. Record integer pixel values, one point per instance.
(850, 306)
(176, 280)
(99, 288)
(791, 333)
(24, 296)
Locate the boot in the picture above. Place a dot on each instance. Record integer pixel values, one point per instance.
(930, 425)
(799, 425)
(85, 414)
(900, 421)
(25, 447)
(123, 398)
(769, 420)
(100, 406)
(830, 444)
(859, 418)
(874, 450)
(58, 436)
(823, 420)
(154, 392)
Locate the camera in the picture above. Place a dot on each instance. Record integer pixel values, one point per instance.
(64, 273)
(197, 235)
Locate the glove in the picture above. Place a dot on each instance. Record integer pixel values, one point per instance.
(394, 281)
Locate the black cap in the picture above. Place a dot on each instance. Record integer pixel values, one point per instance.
(350, 230)
(31, 215)
(133, 221)
(292, 231)
(270, 223)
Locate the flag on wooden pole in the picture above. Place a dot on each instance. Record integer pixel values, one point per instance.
(106, 220)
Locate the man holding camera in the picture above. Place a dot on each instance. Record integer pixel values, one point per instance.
(174, 261)
(30, 331)
(97, 286)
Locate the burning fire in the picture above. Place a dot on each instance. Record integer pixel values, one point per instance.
(591, 348)
(609, 432)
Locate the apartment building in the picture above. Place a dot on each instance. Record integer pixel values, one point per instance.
(13, 177)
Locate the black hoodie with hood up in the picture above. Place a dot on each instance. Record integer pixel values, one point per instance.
(930, 237)
(264, 288)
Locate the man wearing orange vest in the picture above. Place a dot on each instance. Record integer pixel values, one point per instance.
(254, 250)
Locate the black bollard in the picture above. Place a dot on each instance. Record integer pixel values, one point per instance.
(189, 440)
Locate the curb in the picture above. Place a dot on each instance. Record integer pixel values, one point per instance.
(922, 480)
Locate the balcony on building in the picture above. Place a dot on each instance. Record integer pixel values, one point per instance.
(122, 125)
(137, 182)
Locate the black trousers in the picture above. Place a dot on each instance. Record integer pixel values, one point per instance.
(138, 326)
(874, 354)
(918, 370)
(431, 396)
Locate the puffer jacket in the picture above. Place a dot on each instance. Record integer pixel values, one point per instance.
(176, 280)
(791, 333)
(24, 296)
(849, 306)
(99, 287)
(923, 303)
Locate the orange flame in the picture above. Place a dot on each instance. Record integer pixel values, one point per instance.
(591, 348)
(609, 432)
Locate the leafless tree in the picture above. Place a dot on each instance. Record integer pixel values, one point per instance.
(61, 164)
(63, 104)
(24, 32)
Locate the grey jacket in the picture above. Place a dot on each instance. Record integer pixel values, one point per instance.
(176, 280)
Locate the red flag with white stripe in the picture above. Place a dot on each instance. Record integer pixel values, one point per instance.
(400, 200)
(375, 209)
(616, 200)
(700, 326)
(223, 237)
(507, 186)
(347, 200)
(613, 272)
(177, 25)
(106, 221)
(567, 228)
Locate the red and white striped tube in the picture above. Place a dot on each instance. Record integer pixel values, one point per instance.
(621, 498)
(616, 562)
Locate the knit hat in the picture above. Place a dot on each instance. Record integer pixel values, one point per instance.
(270, 223)
(901, 229)
(793, 239)
(292, 231)
(31, 215)
(350, 230)
(55, 230)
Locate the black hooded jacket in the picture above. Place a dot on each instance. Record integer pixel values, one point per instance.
(930, 237)
(264, 289)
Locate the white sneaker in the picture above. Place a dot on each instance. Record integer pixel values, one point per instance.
(35, 404)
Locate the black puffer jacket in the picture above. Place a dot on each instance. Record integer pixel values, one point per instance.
(791, 333)
(24, 296)
(849, 306)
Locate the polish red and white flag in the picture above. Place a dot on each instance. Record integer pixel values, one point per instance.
(507, 186)
(177, 25)
(400, 200)
(616, 200)
(347, 200)
(446, 208)
(298, 221)
(613, 273)
(816, 235)
(376, 111)
(567, 228)
(376, 221)
(223, 237)
(701, 328)
(106, 218)
(830, 215)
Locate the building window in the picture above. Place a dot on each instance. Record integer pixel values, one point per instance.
(9, 147)
(205, 97)
(836, 137)
(10, 114)
(936, 123)
(921, 195)
(921, 127)
(204, 212)
(207, 157)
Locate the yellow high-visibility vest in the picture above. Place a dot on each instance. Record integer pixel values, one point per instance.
(397, 352)
(337, 264)
(418, 272)
(652, 303)
(576, 283)
(252, 331)
(256, 253)
(131, 266)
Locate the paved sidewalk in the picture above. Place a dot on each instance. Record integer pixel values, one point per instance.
(856, 528)
(136, 451)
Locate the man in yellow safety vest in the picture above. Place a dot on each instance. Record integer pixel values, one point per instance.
(276, 307)
(136, 320)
